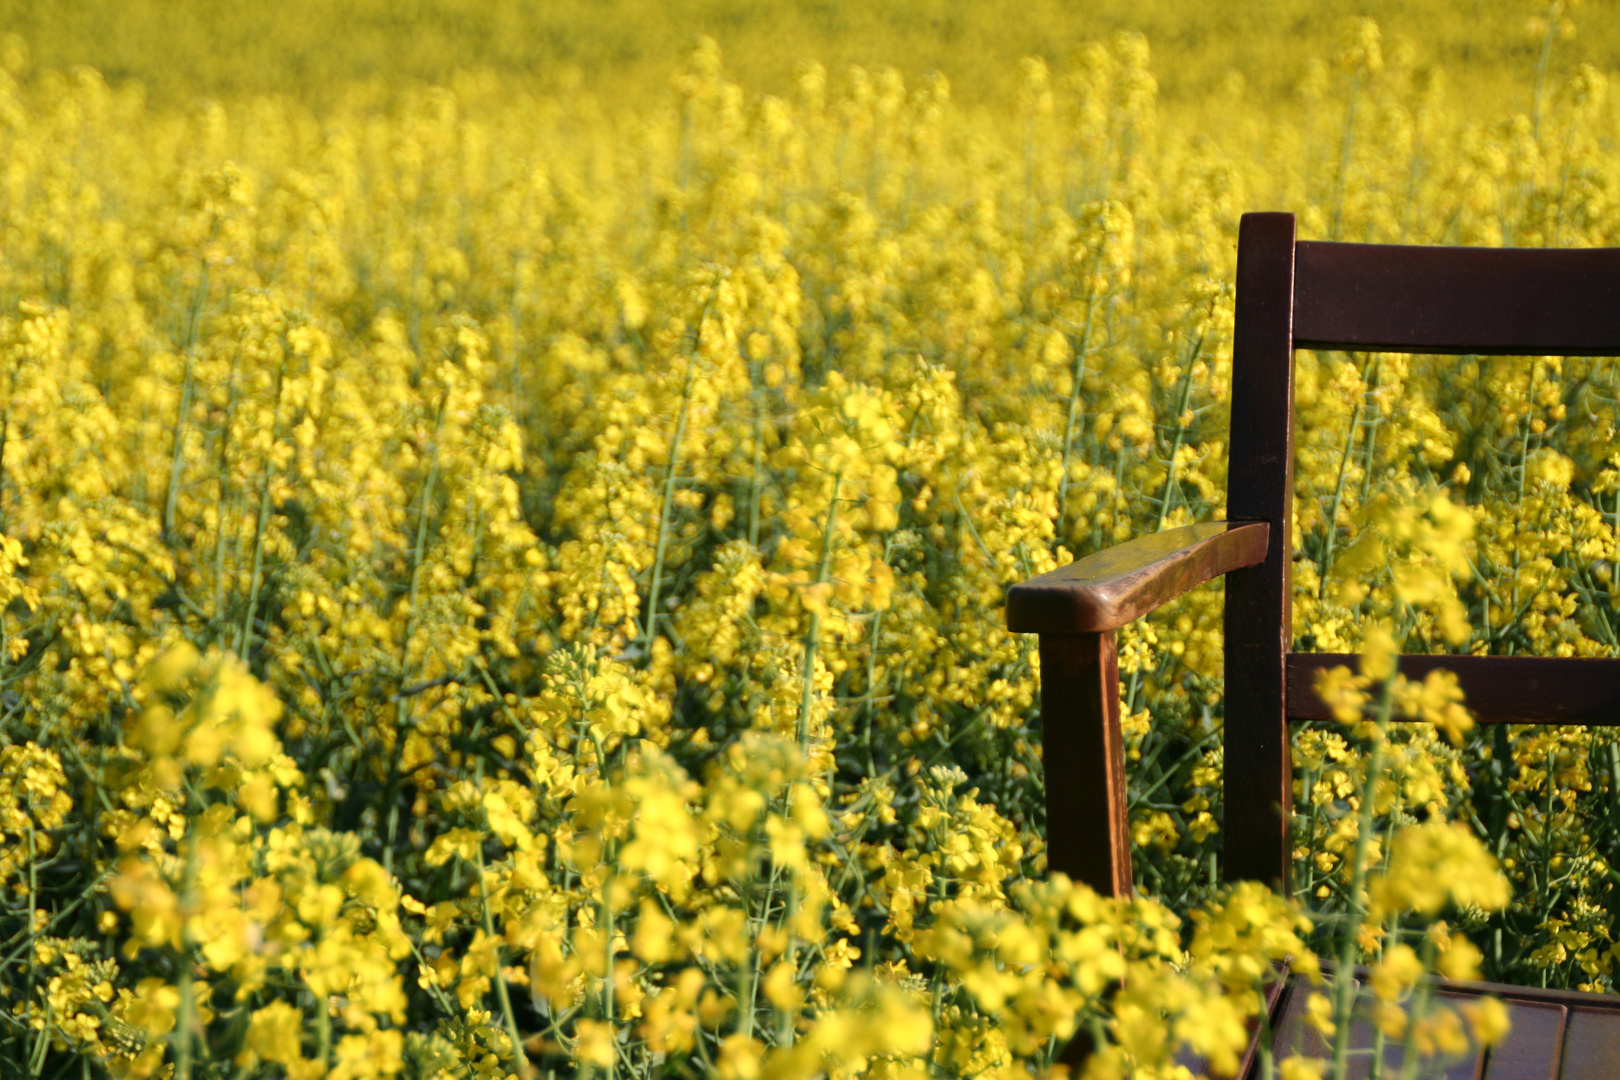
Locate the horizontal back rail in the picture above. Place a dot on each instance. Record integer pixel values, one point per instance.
(1403, 298)
(1496, 689)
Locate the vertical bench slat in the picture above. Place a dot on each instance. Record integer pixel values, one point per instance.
(1592, 1044)
(1533, 1044)
(1260, 487)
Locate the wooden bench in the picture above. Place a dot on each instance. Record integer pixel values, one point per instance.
(1305, 294)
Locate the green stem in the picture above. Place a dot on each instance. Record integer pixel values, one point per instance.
(669, 499)
(186, 388)
(785, 1021)
(222, 508)
(244, 639)
(812, 637)
(1338, 502)
(1375, 419)
(1074, 409)
(323, 1030)
(401, 707)
(605, 919)
(177, 460)
(1412, 1060)
(1541, 72)
(1344, 983)
(36, 1052)
(501, 993)
(1184, 399)
(185, 1019)
(756, 485)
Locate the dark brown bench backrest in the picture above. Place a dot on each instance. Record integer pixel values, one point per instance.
(1378, 297)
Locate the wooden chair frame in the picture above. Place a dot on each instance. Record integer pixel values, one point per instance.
(1295, 294)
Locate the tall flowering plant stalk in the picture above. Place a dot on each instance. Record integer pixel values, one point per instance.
(493, 588)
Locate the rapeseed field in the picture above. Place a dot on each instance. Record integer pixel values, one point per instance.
(504, 577)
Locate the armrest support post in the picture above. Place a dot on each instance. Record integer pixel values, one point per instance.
(1088, 834)
(1076, 610)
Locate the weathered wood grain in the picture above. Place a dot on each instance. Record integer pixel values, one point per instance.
(1292, 1033)
(1533, 1047)
(1405, 298)
(1260, 487)
(1592, 1045)
(1198, 1065)
(1109, 588)
(1084, 756)
(1496, 689)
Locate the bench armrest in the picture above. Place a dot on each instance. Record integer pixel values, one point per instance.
(1109, 588)
(1076, 609)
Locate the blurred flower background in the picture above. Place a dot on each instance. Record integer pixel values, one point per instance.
(507, 510)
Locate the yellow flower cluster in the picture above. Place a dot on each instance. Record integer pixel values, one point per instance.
(1429, 868)
(491, 587)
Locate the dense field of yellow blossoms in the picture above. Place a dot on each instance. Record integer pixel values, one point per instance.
(498, 587)
(621, 50)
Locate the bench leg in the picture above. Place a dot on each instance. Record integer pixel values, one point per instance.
(1087, 833)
